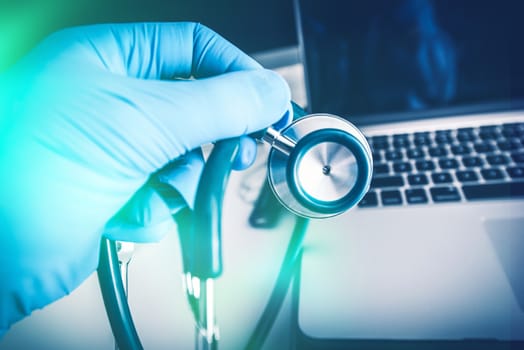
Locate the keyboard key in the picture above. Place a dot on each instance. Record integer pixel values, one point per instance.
(470, 162)
(497, 159)
(424, 165)
(489, 134)
(467, 130)
(414, 153)
(401, 137)
(518, 126)
(445, 194)
(380, 145)
(465, 138)
(438, 151)
(392, 197)
(394, 155)
(401, 143)
(514, 129)
(422, 141)
(416, 196)
(518, 157)
(421, 134)
(380, 142)
(444, 132)
(387, 181)
(491, 128)
(380, 138)
(465, 134)
(484, 147)
(489, 191)
(402, 167)
(460, 149)
(509, 132)
(369, 200)
(492, 174)
(509, 145)
(516, 172)
(382, 168)
(448, 163)
(466, 176)
(418, 179)
(444, 139)
(440, 178)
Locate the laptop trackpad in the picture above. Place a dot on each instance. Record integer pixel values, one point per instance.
(507, 236)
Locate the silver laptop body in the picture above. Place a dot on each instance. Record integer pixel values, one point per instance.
(440, 257)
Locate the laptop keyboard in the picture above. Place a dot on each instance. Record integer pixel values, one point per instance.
(453, 165)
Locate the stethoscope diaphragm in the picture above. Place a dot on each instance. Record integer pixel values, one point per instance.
(319, 166)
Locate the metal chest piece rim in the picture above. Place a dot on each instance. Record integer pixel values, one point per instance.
(319, 166)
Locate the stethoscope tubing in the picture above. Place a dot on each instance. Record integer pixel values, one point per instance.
(201, 253)
(115, 299)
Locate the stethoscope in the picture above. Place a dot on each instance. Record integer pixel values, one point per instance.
(318, 167)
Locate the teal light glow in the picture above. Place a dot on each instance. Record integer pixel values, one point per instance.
(23, 24)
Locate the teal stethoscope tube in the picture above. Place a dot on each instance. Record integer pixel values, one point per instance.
(202, 246)
(201, 240)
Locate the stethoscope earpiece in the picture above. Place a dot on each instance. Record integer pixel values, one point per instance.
(319, 166)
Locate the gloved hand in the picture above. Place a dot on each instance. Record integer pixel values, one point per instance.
(86, 118)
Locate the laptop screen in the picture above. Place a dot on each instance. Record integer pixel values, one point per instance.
(373, 60)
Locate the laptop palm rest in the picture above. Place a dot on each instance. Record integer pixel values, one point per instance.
(424, 273)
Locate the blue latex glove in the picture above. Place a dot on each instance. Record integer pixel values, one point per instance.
(86, 118)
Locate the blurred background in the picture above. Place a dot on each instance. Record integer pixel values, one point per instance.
(251, 25)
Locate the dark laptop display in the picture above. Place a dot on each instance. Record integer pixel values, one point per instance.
(383, 56)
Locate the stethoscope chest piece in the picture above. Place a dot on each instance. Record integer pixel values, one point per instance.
(319, 166)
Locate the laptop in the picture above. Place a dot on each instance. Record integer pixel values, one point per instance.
(433, 256)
